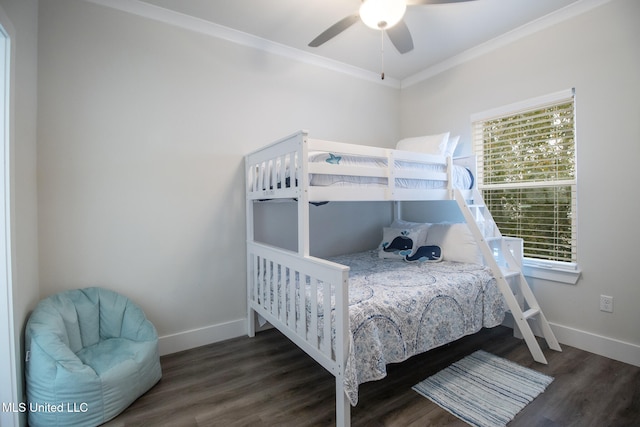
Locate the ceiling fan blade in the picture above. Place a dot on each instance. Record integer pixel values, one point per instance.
(401, 37)
(419, 2)
(334, 30)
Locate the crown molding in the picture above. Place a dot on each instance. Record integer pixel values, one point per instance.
(202, 26)
(532, 27)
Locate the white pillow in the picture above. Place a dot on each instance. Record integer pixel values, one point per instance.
(400, 242)
(456, 241)
(423, 227)
(452, 143)
(430, 144)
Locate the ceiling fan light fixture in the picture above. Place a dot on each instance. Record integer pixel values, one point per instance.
(382, 14)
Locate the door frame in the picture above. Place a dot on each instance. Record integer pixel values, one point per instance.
(9, 413)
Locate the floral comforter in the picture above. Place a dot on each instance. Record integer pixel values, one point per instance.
(399, 309)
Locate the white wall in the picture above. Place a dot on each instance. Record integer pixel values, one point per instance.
(334, 229)
(23, 15)
(143, 127)
(597, 53)
(142, 132)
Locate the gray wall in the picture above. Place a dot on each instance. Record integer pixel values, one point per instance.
(142, 128)
(597, 53)
(142, 131)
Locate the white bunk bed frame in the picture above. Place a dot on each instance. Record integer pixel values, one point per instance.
(264, 262)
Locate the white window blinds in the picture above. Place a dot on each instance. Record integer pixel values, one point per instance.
(527, 173)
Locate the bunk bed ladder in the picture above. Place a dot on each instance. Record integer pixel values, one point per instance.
(503, 255)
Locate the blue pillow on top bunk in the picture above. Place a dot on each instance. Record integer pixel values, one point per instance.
(399, 242)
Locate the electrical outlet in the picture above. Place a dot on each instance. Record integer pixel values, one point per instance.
(606, 303)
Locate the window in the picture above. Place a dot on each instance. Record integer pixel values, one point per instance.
(527, 175)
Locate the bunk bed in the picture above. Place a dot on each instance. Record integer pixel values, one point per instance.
(355, 313)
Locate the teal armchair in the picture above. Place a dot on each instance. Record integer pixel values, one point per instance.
(91, 353)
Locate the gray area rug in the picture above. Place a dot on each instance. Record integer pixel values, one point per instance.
(484, 390)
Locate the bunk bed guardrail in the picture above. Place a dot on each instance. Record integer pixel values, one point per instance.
(282, 170)
(297, 294)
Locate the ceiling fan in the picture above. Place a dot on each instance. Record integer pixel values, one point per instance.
(385, 15)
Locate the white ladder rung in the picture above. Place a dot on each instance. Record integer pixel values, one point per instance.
(532, 312)
(510, 273)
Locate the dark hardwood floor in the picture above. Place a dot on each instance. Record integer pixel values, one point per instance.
(268, 381)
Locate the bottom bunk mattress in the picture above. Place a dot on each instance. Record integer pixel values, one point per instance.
(399, 309)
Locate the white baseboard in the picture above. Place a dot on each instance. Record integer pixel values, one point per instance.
(587, 341)
(603, 346)
(186, 340)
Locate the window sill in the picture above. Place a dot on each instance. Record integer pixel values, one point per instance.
(555, 272)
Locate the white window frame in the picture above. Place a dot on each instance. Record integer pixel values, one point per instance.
(564, 272)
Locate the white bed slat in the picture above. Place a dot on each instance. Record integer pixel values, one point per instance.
(294, 322)
(269, 286)
(260, 175)
(282, 310)
(261, 280)
(283, 170)
(255, 295)
(302, 306)
(326, 312)
(313, 324)
(291, 318)
(272, 172)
